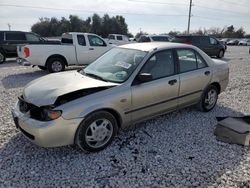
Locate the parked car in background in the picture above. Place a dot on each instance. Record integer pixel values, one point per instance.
(208, 44)
(224, 43)
(10, 39)
(75, 49)
(233, 42)
(128, 84)
(154, 38)
(244, 42)
(118, 39)
(224, 40)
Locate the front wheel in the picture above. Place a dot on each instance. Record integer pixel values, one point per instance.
(221, 54)
(208, 99)
(96, 132)
(2, 57)
(55, 65)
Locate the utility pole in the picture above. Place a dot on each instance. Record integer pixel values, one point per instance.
(9, 26)
(189, 16)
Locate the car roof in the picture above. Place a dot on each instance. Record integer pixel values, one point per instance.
(79, 33)
(150, 46)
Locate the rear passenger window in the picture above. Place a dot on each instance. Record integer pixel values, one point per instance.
(15, 36)
(81, 40)
(213, 41)
(119, 37)
(189, 60)
(31, 37)
(200, 62)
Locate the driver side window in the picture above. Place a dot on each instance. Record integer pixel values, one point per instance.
(160, 65)
(213, 41)
(95, 41)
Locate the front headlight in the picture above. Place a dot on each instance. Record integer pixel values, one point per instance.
(51, 114)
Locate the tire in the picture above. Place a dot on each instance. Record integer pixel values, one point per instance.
(55, 64)
(221, 54)
(42, 67)
(205, 104)
(2, 57)
(101, 128)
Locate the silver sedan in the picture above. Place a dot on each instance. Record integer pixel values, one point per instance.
(126, 85)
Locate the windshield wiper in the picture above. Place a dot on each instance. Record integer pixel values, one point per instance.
(94, 76)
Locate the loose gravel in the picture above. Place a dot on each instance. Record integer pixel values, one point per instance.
(174, 150)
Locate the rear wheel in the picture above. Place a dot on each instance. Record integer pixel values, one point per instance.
(208, 99)
(2, 57)
(55, 64)
(220, 54)
(96, 132)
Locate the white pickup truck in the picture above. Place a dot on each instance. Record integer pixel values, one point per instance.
(117, 39)
(75, 49)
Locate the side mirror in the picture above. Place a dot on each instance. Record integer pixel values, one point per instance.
(144, 77)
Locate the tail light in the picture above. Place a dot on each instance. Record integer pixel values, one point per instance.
(26, 52)
(190, 43)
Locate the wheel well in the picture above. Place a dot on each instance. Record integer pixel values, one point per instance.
(2, 51)
(115, 114)
(56, 56)
(217, 85)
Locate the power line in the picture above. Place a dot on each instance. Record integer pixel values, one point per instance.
(218, 9)
(233, 3)
(125, 13)
(162, 3)
(182, 4)
(219, 19)
(81, 10)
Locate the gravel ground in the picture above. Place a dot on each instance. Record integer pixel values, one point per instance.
(174, 150)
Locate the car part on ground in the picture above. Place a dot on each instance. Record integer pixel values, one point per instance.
(235, 130)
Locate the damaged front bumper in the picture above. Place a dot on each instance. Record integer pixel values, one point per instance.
(59, 132)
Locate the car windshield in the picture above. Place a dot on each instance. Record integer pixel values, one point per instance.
(116, 65)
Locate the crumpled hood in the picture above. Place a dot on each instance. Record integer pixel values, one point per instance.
(45, 90)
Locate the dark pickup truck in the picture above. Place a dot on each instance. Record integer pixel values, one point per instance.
(10, 39)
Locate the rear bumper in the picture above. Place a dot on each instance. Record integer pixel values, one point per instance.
(22, 61)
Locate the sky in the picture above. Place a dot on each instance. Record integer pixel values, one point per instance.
(151, 16)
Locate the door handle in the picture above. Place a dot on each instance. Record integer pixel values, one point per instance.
(91, 48)
(207, 73)
(172, 82)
